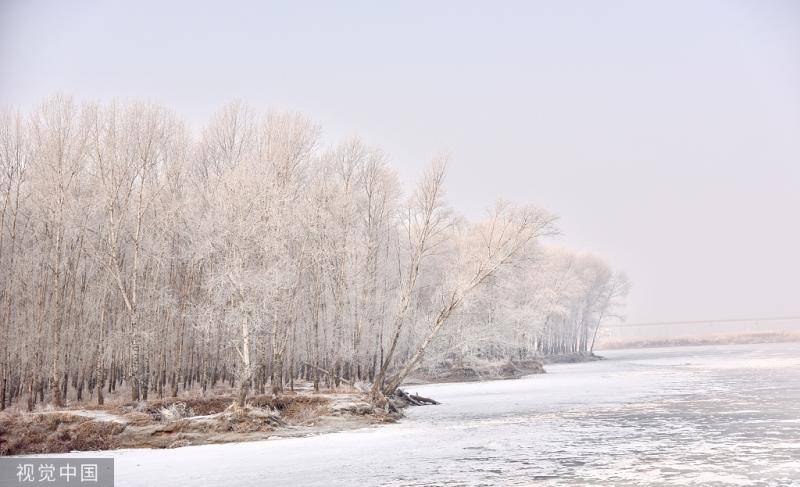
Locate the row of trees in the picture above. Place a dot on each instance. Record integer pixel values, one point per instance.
(136, 256)
(552, 304)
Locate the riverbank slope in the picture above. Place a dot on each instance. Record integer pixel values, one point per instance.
(184, 421)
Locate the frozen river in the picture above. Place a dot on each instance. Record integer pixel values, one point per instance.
(720, 415)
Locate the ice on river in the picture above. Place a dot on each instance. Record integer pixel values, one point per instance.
(719, 415)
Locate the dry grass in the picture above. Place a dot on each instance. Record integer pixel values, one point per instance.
(95, 435)
(147, 425)
(136, 418)
(305, 414)
(57, 432)
(200, 406)
(297, 409)
(252, 419)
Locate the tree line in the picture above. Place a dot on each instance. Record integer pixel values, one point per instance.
(139, 257)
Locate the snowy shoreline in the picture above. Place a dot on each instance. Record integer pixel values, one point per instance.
(87, 428)
(619, 421)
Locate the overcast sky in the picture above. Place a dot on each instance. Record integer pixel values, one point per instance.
(665, 134)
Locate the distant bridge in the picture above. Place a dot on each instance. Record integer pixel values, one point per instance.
(656, 330)
(708, 322)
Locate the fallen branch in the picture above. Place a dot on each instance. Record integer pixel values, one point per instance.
(328, 373)
(414, 399)
(404, 396)
(424, 400)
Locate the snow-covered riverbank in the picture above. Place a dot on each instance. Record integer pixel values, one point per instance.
(669, 416)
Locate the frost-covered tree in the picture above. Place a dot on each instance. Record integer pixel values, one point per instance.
(139, 260)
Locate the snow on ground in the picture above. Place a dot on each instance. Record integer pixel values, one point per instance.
(724, 415)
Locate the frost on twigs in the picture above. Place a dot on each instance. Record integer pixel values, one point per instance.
(175, 411)
(251, 418)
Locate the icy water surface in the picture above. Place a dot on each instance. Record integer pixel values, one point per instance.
(719, 415)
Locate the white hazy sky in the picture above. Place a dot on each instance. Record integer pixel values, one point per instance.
(665, 134)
